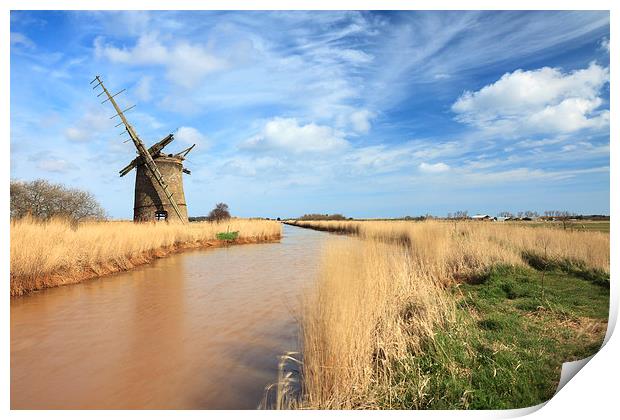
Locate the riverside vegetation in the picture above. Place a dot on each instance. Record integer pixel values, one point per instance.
(58, 251)
(446, 315)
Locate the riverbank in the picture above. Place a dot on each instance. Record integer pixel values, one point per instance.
(431, 315)
(56, 252)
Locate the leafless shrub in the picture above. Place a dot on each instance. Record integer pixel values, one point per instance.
(42, 199)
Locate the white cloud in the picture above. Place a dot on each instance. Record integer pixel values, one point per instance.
(433, 168)
(55, 165)
(76, 134)
(605, 44)
(190, 135)
(360, 120)
(538, 101)
(288, 135)
(186, 64)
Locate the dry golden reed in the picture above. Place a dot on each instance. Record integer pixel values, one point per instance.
(56, 252)
(378, 297)
(480, 243)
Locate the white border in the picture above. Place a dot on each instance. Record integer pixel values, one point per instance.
(591, 394)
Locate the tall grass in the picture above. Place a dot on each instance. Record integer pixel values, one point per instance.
(371, 306)
(378, 298)
(55, 252)
(471, 245)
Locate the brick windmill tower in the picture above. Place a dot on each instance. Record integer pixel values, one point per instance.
(159, 177)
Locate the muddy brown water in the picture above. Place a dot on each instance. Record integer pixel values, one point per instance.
(197, 330)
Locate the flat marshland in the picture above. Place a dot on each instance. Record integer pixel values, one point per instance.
(435, 314)
(57, 252)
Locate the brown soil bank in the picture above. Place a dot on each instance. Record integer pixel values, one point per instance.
(55, 253)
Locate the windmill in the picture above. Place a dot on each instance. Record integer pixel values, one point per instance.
(159, 176)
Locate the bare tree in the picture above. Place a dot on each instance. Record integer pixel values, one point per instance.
(461, 214)
(505, 214)
(561, 215)
(42, 199)
(531, 214)
(220, 212)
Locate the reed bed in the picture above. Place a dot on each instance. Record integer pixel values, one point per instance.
(468, 246)
(372, 306)
(56, 252)
(379, 298)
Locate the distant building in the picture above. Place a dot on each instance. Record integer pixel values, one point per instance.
(503, 219)
(481, 217)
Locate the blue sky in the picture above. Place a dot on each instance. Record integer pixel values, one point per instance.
(370, 114)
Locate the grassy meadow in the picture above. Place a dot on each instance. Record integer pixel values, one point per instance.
(434, 315)
(57, 252)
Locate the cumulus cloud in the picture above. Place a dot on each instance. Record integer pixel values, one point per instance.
(190, 135)
(433, 168)
(538, 101)
(186, 63)
(287, 134)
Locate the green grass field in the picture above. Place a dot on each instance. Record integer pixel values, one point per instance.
(515, 329)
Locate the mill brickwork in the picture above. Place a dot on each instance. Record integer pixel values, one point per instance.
(148, 203)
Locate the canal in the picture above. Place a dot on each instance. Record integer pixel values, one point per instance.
(202, 329)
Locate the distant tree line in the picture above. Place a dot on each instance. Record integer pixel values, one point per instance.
(519, 215)
(316, 216)
(549, 214)
(418, 218)
(219, 213)
(42, 199)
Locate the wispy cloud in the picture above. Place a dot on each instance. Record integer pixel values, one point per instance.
(315, 104)
(19, 39)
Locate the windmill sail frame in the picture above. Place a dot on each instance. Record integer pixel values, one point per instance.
(141, 148)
